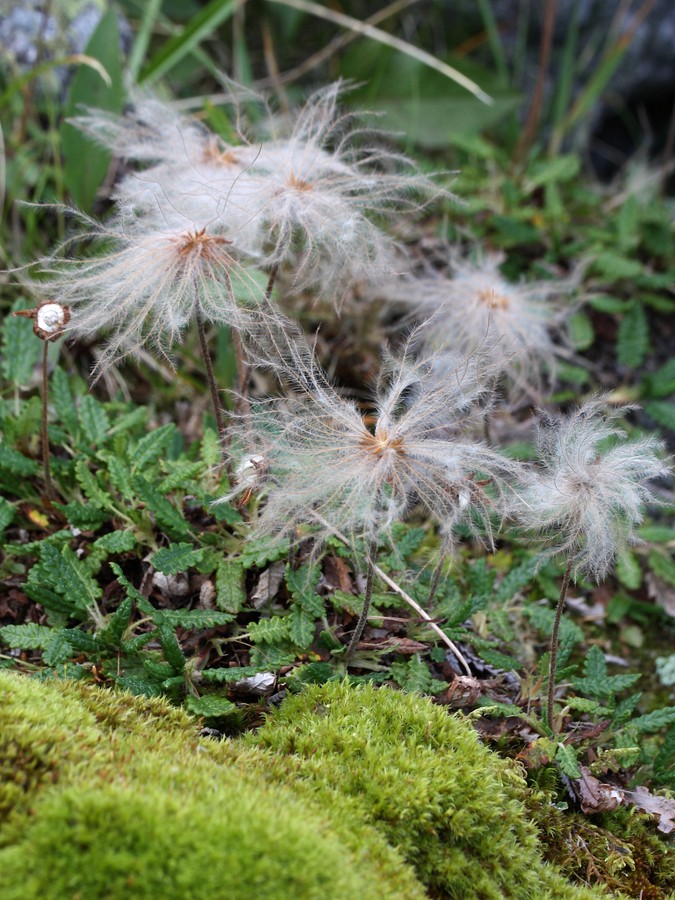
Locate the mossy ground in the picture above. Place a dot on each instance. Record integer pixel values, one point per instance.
(344, 792)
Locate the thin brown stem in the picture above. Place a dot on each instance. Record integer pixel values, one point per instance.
(44, 440)
(210, 377)
(529, 131)
(436, 578)
(363, 618)
(555, 643)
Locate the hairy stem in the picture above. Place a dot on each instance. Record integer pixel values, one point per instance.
(555, 643)
(363, 618)
(436, 578)
(44, 440)
(210, 377)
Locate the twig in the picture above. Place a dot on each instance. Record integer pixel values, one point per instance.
(404, 596)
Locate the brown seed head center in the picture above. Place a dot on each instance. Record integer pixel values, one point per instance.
(199, 243)
(294, 183)
(378, 444)
(493, 299)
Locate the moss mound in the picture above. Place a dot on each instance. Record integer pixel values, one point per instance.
(116, 797)
(454, 809)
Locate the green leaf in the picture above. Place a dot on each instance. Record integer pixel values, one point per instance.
(16, 463)
(63, 400)
(263, 550)
(301, 628)
(628, 570)
(615, 267)
(116, 542)
(413, 675)
(633, 337)
(172, 649)
(166, 515)
(662, 413)
(176, 558)
(516, 579)
(233, 673)
(597, 683)
(85, 516)
(68, 576)
(57, 649)
(117, 624)
(231, 595)
(85, 163)
(119, 474)
(567, 760)
(90, 486)
(558, 169)
(26, 637)
(194, 618)
(662, 382)
(6, 513)
(302, 586)
(93, 419)
(152, 446)
(580, 329)
(20, 347)
(210, 706)
(655, 720)
(656, 534)
(662, 566)
(269, 631)
(200, 27)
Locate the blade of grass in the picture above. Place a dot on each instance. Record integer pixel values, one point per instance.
(140, 47)
(74, 59)
(494, 40)
(388, 40)
(176, 48)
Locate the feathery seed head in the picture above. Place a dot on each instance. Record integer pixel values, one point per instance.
(144, 286)
(359, 473)
(590, 493)
(479, 308)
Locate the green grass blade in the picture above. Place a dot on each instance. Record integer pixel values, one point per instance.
(140, 47)
(176, 48)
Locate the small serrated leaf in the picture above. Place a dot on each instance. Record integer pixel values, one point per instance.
(567, 760)
(151, 446)
(20, 348)
(210, 706)
(628, 570)
(166, 515)
(116, 542)
(90, 486)
(16, 463)
(302, 627)
(269, 631)
(176, 558)
(230, 595)
(63, 400)
(93, 420)
(580, 329)
(662, 412)
(195, 618)
(633, 337)
(117, 624)
(172, 649)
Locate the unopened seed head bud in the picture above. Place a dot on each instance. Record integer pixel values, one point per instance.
(50, 320)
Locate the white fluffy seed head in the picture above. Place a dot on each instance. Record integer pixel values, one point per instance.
(335, 467)
(589, 494)
(478, 310)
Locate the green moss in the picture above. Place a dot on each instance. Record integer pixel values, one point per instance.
(453, 808)
(118, 798)
(620, 850)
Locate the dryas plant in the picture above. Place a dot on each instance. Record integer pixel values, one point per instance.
(587, 497)
(328, 464)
